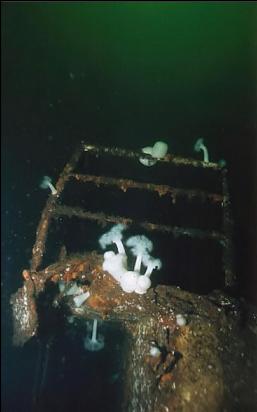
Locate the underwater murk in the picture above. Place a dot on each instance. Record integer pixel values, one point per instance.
(129, 299)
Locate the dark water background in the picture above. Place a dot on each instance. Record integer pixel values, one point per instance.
(120, 74)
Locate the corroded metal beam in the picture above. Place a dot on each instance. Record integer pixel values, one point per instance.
(130, 154)
(162, 190)
(42, 229)
(103, 219)
(228, 258)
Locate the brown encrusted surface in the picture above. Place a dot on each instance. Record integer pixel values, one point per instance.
(209, 364)
(217, 367)
(25, 319)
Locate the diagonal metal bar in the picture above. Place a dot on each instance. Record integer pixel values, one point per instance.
(43, 226)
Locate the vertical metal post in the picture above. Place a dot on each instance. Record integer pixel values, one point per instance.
(228, 252)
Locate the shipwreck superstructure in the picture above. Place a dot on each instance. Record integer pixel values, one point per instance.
(177, 337)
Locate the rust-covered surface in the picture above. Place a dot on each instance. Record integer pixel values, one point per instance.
(208, 363)
(25, 319)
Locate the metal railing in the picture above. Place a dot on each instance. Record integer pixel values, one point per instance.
(54, 208)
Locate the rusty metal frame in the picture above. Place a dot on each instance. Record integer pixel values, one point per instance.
(54, 209)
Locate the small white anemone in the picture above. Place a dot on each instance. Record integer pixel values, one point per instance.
(115, 264)
(146, 161)
(80, 299)
(113, 236)
(158, 151)
(47, 183)
(128, 281)
(200, 146)
(181, 320)
(143, 284)
(151, 264)
(154, 351)
(140, 246)
(93, 343)
(73, 289)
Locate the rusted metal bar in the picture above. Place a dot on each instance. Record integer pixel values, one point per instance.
(162, 190)
(103, 219)
(42, 230)
(130, 154)
(228, 259)
(41, 234)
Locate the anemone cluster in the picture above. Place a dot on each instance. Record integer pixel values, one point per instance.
(116, 263)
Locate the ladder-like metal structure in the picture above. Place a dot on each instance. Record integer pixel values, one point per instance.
(55, 209)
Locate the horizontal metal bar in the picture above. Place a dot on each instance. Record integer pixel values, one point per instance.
(103, 219)
(162, 190)
(169, 158)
